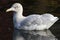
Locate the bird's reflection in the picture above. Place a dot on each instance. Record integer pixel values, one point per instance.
(33, 35)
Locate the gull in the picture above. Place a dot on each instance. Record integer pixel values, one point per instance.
(31, 22)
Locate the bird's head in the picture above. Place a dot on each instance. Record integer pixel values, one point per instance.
(15, 7)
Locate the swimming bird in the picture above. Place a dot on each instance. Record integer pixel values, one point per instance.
(31, 22)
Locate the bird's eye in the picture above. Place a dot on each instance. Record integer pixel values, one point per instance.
(15, 7)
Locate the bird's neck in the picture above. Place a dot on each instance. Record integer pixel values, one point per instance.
(19, 15)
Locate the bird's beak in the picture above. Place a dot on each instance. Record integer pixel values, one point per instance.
(10, 9)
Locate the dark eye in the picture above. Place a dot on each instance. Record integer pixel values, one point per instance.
(15, 7)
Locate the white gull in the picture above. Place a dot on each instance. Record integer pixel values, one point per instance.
(32, 22)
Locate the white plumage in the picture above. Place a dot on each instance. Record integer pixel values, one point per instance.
(32, 22)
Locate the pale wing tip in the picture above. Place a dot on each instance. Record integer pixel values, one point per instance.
(57, 18)
(52, 22)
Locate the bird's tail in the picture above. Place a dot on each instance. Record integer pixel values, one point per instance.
(52, 22)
